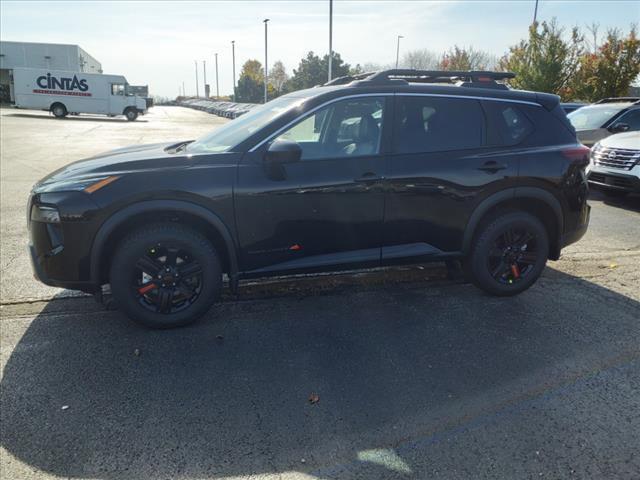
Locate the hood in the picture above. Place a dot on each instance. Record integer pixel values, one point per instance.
(123, 160)
(628, 140)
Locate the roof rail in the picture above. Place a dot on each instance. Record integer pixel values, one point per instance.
(619, 99)
(480, 78)
(348, 79)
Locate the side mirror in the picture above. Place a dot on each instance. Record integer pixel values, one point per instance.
(619, 127)
(283, 151)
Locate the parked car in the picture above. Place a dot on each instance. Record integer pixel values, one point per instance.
(392, 167)
(615, 164)
(606, 117)
(569, 107)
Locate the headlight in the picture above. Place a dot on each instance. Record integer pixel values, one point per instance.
(88, 185)
(42, 213)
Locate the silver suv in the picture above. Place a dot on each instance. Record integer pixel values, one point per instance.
(606, 117)
(615, 164)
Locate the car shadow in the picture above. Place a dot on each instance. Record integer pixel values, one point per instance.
(629, 202)
(87, 394)
(74, 118)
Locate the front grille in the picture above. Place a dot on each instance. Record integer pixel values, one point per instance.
(621, 158)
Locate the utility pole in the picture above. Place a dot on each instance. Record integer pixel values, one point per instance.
(204, 71)
(217, 85)
(330, 39)
(266, 20)
(535, 13)
(184, 92)
(398, 51)
(233, 56)
(197, 89)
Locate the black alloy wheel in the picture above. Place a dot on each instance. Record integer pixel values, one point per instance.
(165, 275)
(508, 254)
(167, 279)
(513, 256)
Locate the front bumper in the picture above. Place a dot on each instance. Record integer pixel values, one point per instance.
(60, 251)
(623, 180)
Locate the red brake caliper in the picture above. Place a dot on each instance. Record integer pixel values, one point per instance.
(515, 270)
(146, 288)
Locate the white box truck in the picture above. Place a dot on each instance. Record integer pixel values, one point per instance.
(62, 93)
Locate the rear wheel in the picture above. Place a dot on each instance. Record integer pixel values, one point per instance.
(59, 110)
(508, 254)
(131, 114)
(165, 275)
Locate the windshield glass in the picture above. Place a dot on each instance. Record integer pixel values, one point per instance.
(223, 139)
(595, 116)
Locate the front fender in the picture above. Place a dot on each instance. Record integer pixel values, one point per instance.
(112, 223)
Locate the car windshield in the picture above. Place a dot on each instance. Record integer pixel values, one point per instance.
(223, 139)
(594, 116)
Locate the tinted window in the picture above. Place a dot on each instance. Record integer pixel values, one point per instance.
(508, 125)
(432, 124)
(345, 128)
(632, 119)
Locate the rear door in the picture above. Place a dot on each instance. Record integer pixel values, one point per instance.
(439, 169)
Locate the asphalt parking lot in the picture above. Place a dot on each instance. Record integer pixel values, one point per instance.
(416, 376)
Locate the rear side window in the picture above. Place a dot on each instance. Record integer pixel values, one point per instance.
(435, 124)
(508, 125)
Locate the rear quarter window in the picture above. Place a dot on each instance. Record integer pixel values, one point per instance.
(507, 123)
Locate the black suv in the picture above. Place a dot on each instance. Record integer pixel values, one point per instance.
(399, 166)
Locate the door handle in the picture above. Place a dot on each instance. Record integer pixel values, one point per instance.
(368, 177)
(492, 167)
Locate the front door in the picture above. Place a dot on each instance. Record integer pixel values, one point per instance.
(326, 209)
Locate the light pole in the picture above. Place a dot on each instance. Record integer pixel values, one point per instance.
(204, 72)
(197, 89)
(330, 39)
(217, 85)
(398, 51)
(535, 13)
(233, 59)
(265, 21)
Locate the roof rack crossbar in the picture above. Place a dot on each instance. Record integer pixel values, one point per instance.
(425, 75)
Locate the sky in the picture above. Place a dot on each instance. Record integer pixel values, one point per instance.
(157, 42)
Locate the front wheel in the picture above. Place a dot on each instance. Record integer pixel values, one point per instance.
(131, 114)
(509, 254)
(165, 275)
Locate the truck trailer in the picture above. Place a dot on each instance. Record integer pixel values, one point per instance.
(63, 93)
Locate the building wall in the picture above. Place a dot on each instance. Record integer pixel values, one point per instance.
(47, 55)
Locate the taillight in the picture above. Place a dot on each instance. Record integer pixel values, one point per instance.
(578, 155)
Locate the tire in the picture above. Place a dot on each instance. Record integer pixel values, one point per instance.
(141, 292)
(131, 114)
(490, 264)
(59, 110)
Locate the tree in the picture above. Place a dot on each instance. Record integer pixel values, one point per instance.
(422, 59)
(313, 71)
(460, 58)
(250, 86)
(611, 70)
(545, 62)
(278, 78)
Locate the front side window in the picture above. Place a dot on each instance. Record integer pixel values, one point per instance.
(434, 124)
(117, 89)
(345, 128)
(632, 119)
